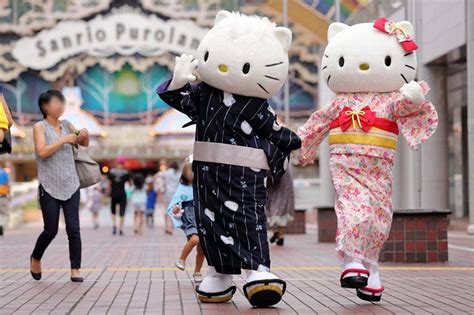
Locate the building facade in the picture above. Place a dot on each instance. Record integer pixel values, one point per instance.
(440, 175)
(113, 54)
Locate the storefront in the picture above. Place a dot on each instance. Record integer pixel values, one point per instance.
(115, 53)
(439, 175)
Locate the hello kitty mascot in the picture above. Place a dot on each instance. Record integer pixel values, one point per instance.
(242, 61)
(371, 68)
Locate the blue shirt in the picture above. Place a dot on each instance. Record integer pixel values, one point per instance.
(151, 199)
(4, 182)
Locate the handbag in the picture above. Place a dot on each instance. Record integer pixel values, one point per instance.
(6, 145)
(87, 169)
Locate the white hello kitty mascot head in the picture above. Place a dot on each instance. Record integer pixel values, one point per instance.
(244, 55)
(363, 58)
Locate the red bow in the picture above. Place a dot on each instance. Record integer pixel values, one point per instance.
(392, 28)
(363, 118)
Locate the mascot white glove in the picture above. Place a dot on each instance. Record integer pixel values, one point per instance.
(412, 91)
(183, 71)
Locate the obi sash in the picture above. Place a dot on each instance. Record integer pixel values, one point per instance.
(230, 154)
(363, 127)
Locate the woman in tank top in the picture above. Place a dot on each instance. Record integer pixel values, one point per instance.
(58, 180)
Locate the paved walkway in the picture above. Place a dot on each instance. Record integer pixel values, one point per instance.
(135, 275)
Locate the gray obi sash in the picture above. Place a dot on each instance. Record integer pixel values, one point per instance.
(230, 154)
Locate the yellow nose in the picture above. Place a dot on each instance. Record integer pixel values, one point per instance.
(223, 68)
(364, 66)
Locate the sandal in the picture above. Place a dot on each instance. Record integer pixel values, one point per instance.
(216, 297)
(369, 294)
(180, 264)
(264, 293)
(197, 277)
(274, 237)
(354, 278)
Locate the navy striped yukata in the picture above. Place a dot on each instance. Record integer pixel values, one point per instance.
(230, 199)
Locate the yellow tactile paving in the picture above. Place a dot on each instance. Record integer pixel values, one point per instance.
(285, 268)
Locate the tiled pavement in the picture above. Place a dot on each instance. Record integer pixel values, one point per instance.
(135, 275)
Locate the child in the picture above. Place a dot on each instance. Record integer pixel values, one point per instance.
(181, 210)
(150, 203)
(138, 200)
(94, 202)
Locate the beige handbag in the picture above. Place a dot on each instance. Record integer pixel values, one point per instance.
(87, 169)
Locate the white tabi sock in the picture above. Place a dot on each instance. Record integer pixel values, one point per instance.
(215, 282)
(262, 273)
(351, 263)
(374, 278)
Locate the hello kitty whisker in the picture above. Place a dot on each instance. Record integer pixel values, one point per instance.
(326, 56)
(274, 64)
(411, 67)
(324, 67)
(261, 86)
(273, 78)
(408, 53)
(405, 79)
(329, 78)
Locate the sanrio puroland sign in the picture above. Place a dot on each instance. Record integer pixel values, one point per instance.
(124, 32)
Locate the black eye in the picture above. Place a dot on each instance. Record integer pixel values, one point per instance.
(246, 68)
(341, 62)
(206, 56)
(388, 61)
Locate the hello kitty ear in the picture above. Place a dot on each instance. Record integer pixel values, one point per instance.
(221, 16)
(335, 28)
(407, 27)
(284, 36)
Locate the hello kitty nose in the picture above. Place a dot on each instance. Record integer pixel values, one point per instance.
(223, 68)
(364, 66)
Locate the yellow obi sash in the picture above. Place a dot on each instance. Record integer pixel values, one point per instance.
(363, 127)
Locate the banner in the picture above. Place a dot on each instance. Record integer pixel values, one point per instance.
(125, 32)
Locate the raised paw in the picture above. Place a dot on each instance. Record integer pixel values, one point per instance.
(412, 91)
(184, 68)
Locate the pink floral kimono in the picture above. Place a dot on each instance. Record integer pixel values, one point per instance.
(363, 130)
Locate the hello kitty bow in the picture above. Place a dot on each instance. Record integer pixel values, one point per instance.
(363, 118)
(391, 28)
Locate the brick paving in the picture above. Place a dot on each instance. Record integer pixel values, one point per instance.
(135, 275)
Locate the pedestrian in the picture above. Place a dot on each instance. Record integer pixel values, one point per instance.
(6, 121)
(93, 202)
(181, 210)
(138, 202)
(104, 185)
(280, 206)
(170, 180)
(118, 177)
(150, 203)
(4, 200)
(58, 180)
